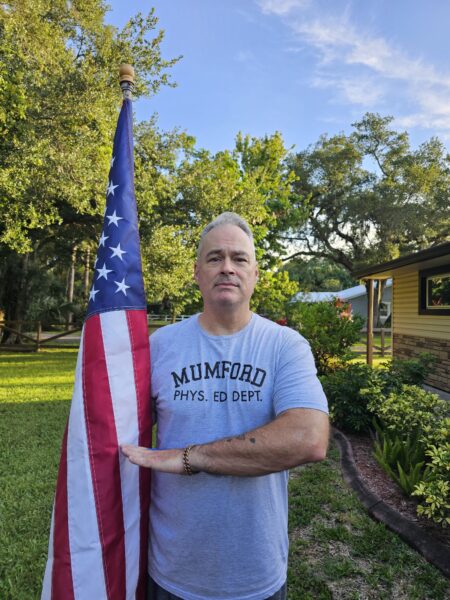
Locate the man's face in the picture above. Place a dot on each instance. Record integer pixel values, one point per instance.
(226, 270)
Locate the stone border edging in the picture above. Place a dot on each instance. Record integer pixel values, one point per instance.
(432, 550)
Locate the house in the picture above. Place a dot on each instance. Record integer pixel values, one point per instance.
(420, 307)
(356, 296)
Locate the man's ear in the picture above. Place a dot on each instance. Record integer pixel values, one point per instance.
(195, 272)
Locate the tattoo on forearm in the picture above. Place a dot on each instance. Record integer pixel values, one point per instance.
(241, 437)
(237, 437)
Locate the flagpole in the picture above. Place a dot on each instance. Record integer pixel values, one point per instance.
(126, 79)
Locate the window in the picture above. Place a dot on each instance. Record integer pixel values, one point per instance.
(434, 296)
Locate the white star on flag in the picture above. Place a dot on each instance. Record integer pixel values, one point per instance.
(92, 294)
(112, 162)
(121, 286)
(117, 251)
(103, 272)
(103, 239)
(114, 218)
(110, 189)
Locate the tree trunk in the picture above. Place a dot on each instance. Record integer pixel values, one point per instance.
(381, 286)
(15, 296)
(71, 284)
(378, 298)
(87, 269)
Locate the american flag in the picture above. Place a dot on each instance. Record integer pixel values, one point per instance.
(99, 526)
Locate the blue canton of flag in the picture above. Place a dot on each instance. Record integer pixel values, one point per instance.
(117, 283)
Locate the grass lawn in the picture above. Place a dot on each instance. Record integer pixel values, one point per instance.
(377, 361)
(360, 346)
(337, 551)
(376, 339)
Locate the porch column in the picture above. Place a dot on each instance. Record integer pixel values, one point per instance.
(369, 350)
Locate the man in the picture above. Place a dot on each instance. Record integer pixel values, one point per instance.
(238, 403)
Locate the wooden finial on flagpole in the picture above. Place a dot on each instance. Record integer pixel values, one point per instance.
(126, 79)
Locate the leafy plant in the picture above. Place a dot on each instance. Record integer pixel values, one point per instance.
(409, 480)
(328, 328)
(393, 375)
(417, 425)
(347, 403)
(407, 410)
(412, 425)
(357, 392)
(402, 459)
(412, 371)
(436, 500)
(435, 491)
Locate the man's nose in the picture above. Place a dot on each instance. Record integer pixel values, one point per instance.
(227, 265)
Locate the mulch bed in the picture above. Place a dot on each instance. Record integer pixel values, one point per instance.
(387, 490)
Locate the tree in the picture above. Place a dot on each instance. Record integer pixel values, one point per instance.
(319, 275)
(193, 186)
(56, 136)
(252, 179)
(58, 112)
(59, 101)
(357, 215)
(168, 269)
(273, 292)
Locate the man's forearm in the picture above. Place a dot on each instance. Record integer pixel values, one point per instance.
(281, 444)
(295, 437)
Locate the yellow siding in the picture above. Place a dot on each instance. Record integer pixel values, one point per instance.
(406, 318)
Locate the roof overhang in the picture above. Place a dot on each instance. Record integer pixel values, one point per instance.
(424, 259)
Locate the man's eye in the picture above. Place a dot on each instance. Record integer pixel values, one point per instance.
(241, 259)
(213, 259)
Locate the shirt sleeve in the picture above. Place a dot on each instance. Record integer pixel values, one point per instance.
(296, 383)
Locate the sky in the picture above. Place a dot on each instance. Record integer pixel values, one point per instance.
(301, 67)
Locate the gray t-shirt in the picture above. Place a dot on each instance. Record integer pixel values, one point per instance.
(222, 537)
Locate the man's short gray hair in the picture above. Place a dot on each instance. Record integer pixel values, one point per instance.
(226, 218)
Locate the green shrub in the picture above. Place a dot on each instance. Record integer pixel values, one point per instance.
(328, 328)
(393, 375)
(347, 403)
(418, 422)
(407, 410)
(413, 370)
(436, 500)
(413, 426)
(434, 493)
(355, 391)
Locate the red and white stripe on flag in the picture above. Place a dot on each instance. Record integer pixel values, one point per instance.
(99, 527)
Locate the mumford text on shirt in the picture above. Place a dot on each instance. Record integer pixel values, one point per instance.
(221, 369)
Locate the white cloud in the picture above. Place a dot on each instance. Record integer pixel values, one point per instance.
(365, 69)
(433, 112)
(435, 102)
(363, 91)
(338, 40)
(282, 7)
(427, 121)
